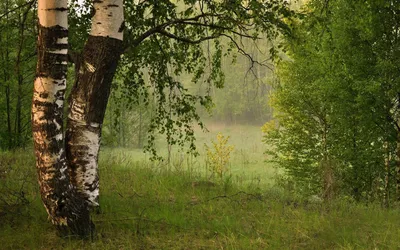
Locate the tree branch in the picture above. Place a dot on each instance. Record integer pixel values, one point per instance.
(243, 52)
(30, 3)
(187, 40)
(162, 26)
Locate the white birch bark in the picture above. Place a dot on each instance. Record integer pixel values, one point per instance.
(108, 18)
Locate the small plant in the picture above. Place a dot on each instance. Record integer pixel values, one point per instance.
(218, 155)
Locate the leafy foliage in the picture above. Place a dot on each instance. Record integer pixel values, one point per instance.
(218, 155)
(169, 39)
(335, 100)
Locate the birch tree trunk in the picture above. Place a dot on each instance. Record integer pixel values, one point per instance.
(7, 83)
(398, 166)
(96, 67)
(327, 169)
(65, 207)
(386, 195)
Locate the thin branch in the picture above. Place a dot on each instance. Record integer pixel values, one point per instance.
(214, 26)
(194, 21)
(18, 7)
(187, 40)
(243, 52)
(162, 26)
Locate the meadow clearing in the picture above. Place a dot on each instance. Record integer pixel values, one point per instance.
(155, 205)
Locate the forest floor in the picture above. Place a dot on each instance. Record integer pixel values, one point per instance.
(147, 205)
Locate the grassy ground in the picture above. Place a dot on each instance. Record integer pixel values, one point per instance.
(247, 164)
(150, 206)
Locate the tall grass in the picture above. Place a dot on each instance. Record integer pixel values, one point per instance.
(247, 164)
(147, 205)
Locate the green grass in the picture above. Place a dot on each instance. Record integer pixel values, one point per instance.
(247, 164)
(152, 206)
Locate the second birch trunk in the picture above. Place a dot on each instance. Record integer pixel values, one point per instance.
(95, 71)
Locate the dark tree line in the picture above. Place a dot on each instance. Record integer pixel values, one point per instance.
(17, 62)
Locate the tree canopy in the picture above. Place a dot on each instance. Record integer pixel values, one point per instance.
(167, 39)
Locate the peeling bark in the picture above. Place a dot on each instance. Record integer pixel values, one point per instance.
(65, 207)
(89, 96)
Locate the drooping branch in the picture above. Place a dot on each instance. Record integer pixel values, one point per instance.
(244, 53)
(210, 20)
(223, 20)
(187, 40)
(160, 28)
(156, 28)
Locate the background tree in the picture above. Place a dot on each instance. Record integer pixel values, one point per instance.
(336, 102)
(17, 41)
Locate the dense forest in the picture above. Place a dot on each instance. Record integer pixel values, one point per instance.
(199, 124)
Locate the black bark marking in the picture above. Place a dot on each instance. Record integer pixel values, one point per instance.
(47, 61)
(44, 95)
(62, 46)
(121, 27)
(57, 9)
